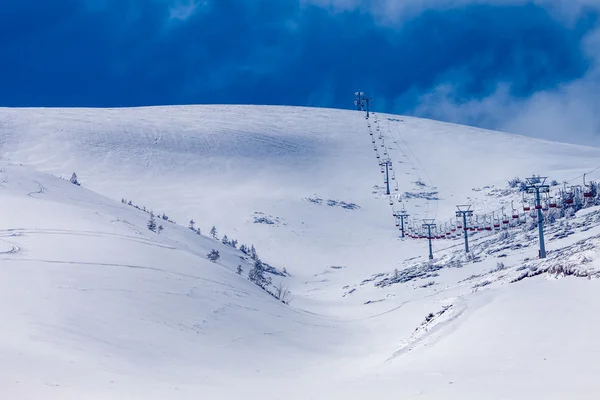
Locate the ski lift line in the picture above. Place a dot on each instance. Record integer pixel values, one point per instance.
(422, 168)
(410, 161)
(581, 176)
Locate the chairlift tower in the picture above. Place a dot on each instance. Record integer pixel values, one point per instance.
(403, 217)
(359, 100)
(465, 211)
(387, 163)
(367, 101)
(428, 224)
(537, 185)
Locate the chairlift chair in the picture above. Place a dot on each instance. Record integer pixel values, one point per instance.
(587, 194)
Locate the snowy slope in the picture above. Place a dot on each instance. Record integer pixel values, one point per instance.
(101, 307)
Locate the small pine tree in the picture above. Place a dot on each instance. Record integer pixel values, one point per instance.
(253, 253)
(257, 275)
(191, 226)
(129, 203)
(233, 243)
(74, 180)
(213, 255)
(151, 222)
(160, 229)
(239, 270)
(243, 249)
(396, 273)
(213, 232)
(198, 232)
(225, 240)
(123, 201)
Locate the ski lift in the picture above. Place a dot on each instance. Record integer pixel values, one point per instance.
(393, 176)
(378, 156)
(391, 201)
(587, 194)
(526, 206)
(373, 140)
(496, 221)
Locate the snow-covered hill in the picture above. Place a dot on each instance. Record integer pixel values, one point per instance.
(98, 306)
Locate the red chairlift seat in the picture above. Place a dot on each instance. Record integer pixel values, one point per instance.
(496, 225)
(553, 205)
(488, 228)
(505, 221)
(587, 195)
(526, 208)
(568, 201)
(397, 224)
(538, 207)
(453, 230)
(515, 216)
(479, 229)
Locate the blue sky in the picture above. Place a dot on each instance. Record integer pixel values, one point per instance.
(510, 65)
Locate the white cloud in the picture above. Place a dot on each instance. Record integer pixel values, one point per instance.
(184, 9)
(394, 11)
(569, 112)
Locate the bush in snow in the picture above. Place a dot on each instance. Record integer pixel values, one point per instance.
(257, 275)
(514, 183)
(151, 224)
(74, 180)
(282, 293)
(213, 255)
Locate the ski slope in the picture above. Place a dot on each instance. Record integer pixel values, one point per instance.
(100, 307)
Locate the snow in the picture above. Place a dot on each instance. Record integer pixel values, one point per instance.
(98, 306)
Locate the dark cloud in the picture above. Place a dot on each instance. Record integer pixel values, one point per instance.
(130, 52)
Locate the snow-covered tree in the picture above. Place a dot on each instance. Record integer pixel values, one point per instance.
(213, 232)
(225, 240)
(253, 253)
(233, 243)
(243, 249)
(151, 222)
(160, 228)
(192, 224)
(74, 180)
(257, 275)
(213, 255)
(239, 270)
